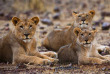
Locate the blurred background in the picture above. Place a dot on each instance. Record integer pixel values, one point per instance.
(55, 14)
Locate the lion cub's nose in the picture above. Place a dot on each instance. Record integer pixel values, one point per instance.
(83, 20)
(86, 40)
(26, 34)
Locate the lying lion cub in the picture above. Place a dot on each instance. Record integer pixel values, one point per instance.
(19, 45)
(81, 50)
(57, 38)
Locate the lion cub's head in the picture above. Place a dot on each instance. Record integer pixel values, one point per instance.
(83, 19)
(84, 37)
(25, 29)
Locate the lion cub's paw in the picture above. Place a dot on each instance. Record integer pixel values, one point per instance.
(105, 61)
(46, 62)
(53, 54)
(54, 60)
(43, 62)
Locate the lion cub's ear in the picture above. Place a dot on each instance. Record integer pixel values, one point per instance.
(77, 31)
(35, 20)
(15, 20)
(92, 12)
(75, 13)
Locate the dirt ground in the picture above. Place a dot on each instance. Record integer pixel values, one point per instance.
(59, 15)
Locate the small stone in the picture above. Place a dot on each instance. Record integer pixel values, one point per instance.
(83, 5)
(44, 32)
(1, 14)
(6, 28)
(28, 12)
(9, 16)
(105, 26)
(56, 16)
(41, 27)
(47, 21)
(104, 68)
(69, 24)
(101, 7)
(81, 71)
(7, 24)
(105, 13)
(58, 1)
(97, 23)
(93, 27)
(56, 9)
(21, 66)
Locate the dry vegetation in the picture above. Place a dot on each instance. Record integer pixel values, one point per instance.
(55, 14)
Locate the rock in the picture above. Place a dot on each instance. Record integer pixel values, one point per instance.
(101, 7)
(21, 66)
(105, 13)
(56, 9)
(1, 14)
(56, 16)
(28, 12)
(93, 27)
(105, 26)
(58, 1)
(104, 68)
(8, 16)
(57, 25)
(6, 28)
(69, 24)
(41, 27)
(44, 32)
(83, 5)
(81, 71)
(47, 21)
(7, 24)
(97, 23)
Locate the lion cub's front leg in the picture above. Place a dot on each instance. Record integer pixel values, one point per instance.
(38, 54)
(20, 56)
(31, 59)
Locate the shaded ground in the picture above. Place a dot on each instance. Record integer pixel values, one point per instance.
(58, 69)
(57, 16)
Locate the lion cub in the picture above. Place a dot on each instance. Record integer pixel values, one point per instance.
(19, 45)
(80, 50)
(55, 39)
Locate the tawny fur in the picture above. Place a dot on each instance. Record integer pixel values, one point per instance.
(81, 51)
(19, 45)
(57, 38)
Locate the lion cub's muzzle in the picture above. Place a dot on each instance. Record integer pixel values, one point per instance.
(26, 35)
(83, 21)
(86, 42)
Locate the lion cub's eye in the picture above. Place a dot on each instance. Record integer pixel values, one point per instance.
(81, 34)
(30, 26)
(79, 16)
(21, 27)
(89, 34)
(87, 24)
